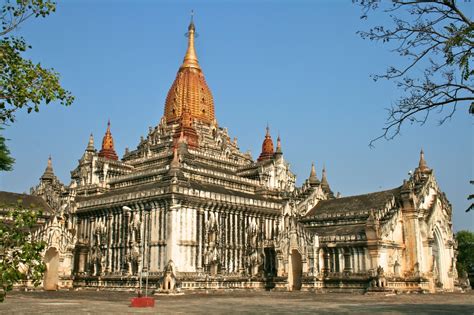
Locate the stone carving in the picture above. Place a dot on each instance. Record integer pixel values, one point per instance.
(379, 280)
(133, 256)
(98, 249)
(169, 282)
(212, 251)
(254, 259)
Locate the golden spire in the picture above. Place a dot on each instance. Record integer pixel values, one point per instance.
(190, 59)
(190, 89)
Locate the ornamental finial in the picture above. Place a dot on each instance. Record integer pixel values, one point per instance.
(190, 59)
(108, 150)
(422, 166)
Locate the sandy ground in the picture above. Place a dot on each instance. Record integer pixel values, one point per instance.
(237, 302)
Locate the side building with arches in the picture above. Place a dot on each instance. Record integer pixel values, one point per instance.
(398, 239)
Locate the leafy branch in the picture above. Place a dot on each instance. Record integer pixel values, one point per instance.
(20, 255)
(24, 84)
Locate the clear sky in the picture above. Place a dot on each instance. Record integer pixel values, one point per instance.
(297, 65)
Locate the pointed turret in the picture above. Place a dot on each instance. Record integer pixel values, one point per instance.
(267, 147)
(175, 162)
(48, 172)
(90, 144)
(313, 179)
(325, 184)
(278, 151)
(174, 171)
(422, 166)
(108, 151)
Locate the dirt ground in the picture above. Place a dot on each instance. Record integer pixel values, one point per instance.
(237, 302)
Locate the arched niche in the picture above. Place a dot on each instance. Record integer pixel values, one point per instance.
(51, 276)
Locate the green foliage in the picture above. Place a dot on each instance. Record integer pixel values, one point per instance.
(458, 38)
(6, 161)
(20, 254)
(24, 84)
(465, 241)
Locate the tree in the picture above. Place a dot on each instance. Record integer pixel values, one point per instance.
(20, 255)
(24, 84)
(436, 37)
(465, 241)
(6, 161)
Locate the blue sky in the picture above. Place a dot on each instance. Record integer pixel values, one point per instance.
(297, 65)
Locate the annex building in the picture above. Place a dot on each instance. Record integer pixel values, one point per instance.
(190, 210)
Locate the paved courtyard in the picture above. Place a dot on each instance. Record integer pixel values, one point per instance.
(247, 302)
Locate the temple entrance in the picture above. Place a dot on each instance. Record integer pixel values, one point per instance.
(51, 276)
(270, 262)
(295, 271)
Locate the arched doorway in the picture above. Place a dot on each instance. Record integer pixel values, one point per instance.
(51, 277)
(296, 271)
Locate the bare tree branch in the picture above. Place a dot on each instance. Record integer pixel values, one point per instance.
(436, 36)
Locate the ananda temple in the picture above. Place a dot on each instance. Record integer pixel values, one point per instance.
(188, 210)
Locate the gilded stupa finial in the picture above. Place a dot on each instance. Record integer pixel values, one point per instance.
(190, 59)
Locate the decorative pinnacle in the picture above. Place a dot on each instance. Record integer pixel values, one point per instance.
(191, 24)
(313, 179)
(190, 59)
(175, 161)
(48, 172)
(422, 166)
(324, 180)
(278, 148)
(108, 150)
(313, 170)
(90, 145)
